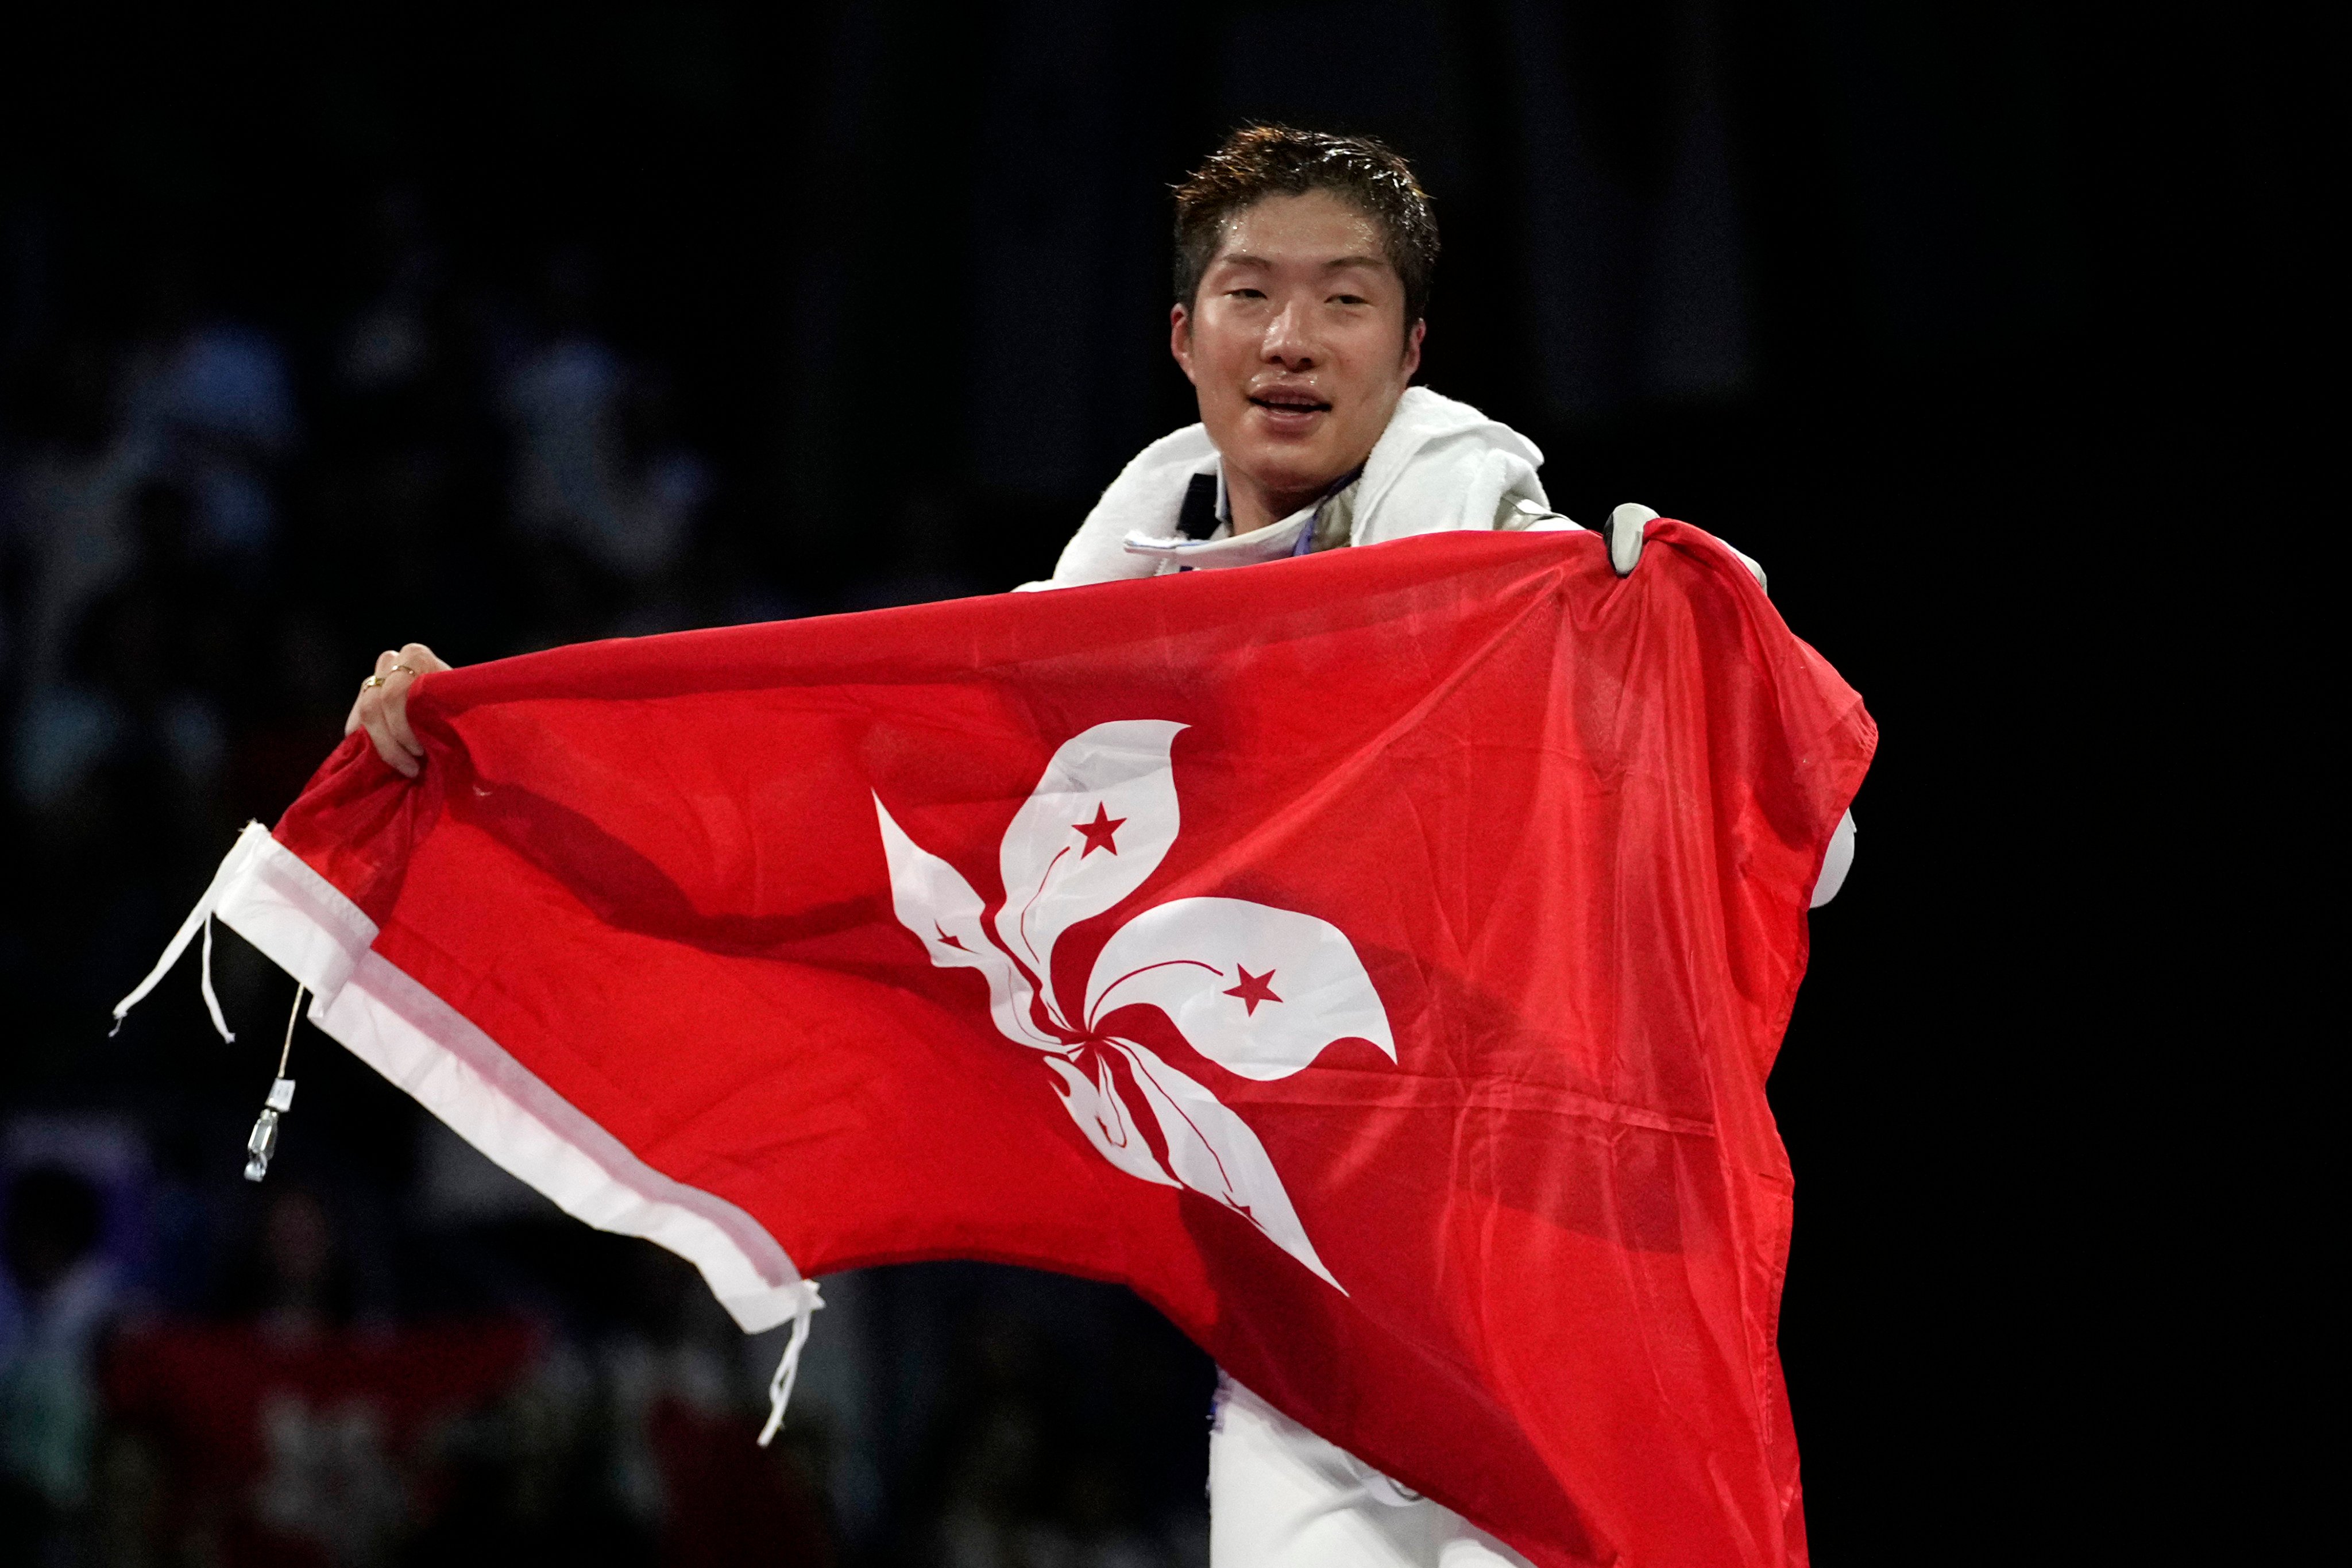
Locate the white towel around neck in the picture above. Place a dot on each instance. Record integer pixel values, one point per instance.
(1440, 466)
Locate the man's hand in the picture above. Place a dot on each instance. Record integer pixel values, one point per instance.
(1622, 533)
(383, 707)
(1626, 525)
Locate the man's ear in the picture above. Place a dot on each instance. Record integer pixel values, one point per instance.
(1179, 340)
(1412, 348)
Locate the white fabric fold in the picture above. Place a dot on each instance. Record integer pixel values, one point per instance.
(1274, 542)
(1441, 466)
(1836, 861)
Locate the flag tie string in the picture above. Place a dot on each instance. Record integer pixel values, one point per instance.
(199, 920)
(780, 1387)
(204, 984)
(262, 1142)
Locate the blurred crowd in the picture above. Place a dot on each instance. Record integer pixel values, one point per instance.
(211, 519)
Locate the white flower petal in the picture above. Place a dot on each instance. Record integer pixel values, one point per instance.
(1095, 1106)
(1300, 984)
(1097, 823)
(1215, 1153)
(932, 900)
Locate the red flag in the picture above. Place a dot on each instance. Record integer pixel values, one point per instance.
(1373, 959)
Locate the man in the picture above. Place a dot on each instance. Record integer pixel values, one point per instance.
(1302, 271)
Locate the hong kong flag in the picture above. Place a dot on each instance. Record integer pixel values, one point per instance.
(1374, 959)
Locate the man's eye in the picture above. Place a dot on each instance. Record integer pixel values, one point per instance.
(1245, 294)
(1348, 299)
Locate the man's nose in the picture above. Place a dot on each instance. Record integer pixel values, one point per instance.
(1289, 342)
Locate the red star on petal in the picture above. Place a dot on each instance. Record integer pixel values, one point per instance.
(1255, 989)
(1099, 832)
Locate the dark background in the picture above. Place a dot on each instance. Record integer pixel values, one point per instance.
(502, 327)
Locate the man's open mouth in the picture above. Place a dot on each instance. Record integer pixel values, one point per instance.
(1291, 403)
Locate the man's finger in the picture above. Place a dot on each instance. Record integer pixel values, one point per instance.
(382, 708)
(376, 712)
(413, 662)
(395, 714)
(373, 714)
(357, 718)
(378, 725)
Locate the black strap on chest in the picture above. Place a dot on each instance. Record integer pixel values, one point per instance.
(1198, 520)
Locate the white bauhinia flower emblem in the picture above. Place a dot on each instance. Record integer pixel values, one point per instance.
(1259, 991)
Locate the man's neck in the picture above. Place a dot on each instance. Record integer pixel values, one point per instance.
(1254, 506)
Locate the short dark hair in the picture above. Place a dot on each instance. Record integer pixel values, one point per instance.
(1260, 161)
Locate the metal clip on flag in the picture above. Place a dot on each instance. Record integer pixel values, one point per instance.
(262, 1141)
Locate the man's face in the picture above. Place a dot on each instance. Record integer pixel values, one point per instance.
(1298, 346)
